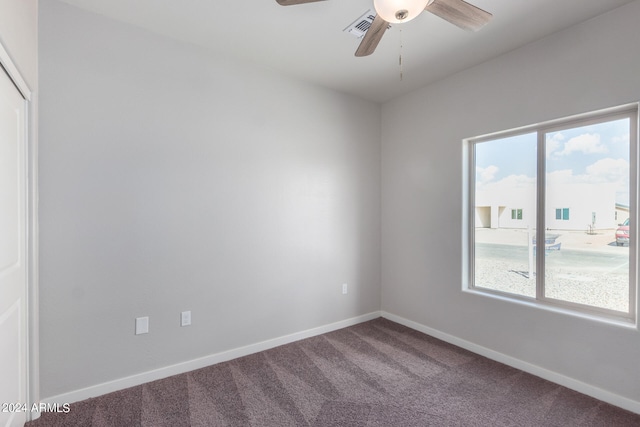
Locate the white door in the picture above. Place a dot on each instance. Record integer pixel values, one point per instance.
(13, 262)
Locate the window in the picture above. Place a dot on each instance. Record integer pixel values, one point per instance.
(571, 176)
(562, 214)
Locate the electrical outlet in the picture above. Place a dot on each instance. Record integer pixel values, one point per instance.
(185, 318)
(142, 325)
(345, 289)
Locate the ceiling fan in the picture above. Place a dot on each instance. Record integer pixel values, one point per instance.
(458, 12)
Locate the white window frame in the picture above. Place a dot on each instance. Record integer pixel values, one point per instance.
(626, 111)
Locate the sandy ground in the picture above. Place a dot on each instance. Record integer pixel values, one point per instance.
(604, 289)
(601, 240)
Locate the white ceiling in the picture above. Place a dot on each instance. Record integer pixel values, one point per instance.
(307, 41)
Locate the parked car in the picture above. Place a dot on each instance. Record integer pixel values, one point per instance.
(622, 233)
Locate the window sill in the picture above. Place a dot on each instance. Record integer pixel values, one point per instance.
(603, 318)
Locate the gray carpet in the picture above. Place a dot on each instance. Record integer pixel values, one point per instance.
(376, 373)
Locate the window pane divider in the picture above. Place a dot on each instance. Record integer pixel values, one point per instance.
(540, 216)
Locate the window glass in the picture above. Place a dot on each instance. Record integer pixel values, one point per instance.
(505, 177)
(587, 167)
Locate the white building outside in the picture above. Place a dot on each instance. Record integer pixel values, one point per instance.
(570, 206)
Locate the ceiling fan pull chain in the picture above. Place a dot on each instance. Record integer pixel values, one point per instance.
(400, 58)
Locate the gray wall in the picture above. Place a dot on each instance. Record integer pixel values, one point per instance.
(19, 36)
(591, 66)
(171, 180)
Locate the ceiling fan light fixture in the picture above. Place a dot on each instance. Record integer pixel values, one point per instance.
(398, 11)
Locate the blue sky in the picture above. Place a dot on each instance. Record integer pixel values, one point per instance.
(596, 153)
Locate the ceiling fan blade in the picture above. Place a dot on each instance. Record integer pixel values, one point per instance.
(372, 37)
(292, 2)
(460, 13)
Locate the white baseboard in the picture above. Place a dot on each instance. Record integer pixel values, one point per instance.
(180, 368)
(589, 390)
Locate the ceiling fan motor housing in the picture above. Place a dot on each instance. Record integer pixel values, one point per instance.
(397, 11)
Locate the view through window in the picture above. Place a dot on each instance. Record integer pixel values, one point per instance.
(572, 180)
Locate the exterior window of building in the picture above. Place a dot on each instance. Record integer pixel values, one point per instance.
(562, 214)
(572, 177)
